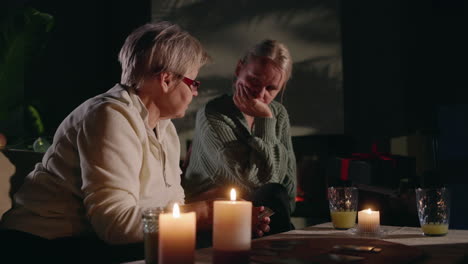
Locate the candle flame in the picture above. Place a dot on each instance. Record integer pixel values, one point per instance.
(369, 211)
(176, 211)
(233, 194)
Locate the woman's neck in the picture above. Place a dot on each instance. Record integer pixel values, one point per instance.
(153, 110)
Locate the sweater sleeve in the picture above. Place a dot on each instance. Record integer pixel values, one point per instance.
(290, 180)
(272, 139)
(110, 158)
(228, 154)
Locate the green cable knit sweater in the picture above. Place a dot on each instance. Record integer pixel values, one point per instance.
(225, 152)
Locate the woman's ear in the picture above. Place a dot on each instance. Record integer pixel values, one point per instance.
(165, 80)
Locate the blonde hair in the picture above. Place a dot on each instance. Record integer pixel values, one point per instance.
(275, 51)
(159, 47)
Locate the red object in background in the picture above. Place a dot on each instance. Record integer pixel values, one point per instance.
(300, 194)
(344, 171)
(300, 199)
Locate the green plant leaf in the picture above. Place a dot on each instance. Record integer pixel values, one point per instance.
(37, 119)
(24, 33)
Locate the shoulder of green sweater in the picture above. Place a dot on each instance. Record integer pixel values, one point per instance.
(209, 115)
(280, 113)
(222, 103)
(222, 108)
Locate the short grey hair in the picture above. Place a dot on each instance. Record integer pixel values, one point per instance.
(275, 51)
(159, 47)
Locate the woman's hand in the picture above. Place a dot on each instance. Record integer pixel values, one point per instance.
(259, 226)
(248, 104)
(204, 212)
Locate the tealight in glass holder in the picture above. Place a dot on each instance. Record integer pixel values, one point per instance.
(368, 223)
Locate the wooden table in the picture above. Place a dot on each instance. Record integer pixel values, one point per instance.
(452, 248)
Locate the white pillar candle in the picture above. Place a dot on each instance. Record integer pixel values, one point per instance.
(232, 230)
(177, 237)
(368, 221)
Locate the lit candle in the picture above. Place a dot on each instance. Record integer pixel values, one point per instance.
(176, 237)
(232, 230)
(368, 221)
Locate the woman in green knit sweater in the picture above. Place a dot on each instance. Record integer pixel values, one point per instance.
(244, 140)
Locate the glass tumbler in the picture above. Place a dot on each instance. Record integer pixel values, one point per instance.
(433, 206)
(150, 217)
(343, 206)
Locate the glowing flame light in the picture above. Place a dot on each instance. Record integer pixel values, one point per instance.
(233, 194)
(369, 211)
(176, 211)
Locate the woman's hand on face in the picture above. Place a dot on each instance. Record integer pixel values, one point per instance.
(260, 226)
(249, 105)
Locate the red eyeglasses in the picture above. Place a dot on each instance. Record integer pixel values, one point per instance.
(191, 83)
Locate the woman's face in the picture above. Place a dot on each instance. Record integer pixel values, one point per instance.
(261, 77)
(178, 98)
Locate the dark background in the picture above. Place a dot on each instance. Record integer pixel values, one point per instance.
(403, 72)
(401, 61)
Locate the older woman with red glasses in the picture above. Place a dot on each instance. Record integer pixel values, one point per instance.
(113, 156)
(244, 140)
